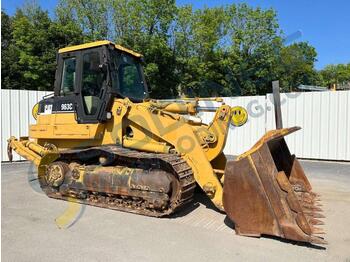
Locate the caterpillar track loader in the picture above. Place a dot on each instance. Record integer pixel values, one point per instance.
(99, 140)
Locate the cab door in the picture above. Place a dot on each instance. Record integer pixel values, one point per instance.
(92, 86)
(66, 85)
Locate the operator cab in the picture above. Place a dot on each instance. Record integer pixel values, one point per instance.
(90, 76)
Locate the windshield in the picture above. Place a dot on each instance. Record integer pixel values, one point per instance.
(127, 76)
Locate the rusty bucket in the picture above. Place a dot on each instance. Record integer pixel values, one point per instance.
(266, 192)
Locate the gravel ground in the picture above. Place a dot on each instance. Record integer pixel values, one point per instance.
(30, 233)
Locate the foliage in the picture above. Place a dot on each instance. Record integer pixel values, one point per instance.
(91, 16)
(254, 51)
(198, 51)
(336, 74)
(143, 25)
(297, 66)
(9, 54)
(217, 51)
(31, 49)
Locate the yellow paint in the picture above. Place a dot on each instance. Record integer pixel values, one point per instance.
(64, 126)
(180, 108)
(220, 128)
(69, 215)
(32, 151)
(146, 145)
(95, 44)
(177, 132)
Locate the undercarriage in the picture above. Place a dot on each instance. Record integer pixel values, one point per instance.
(121, 179)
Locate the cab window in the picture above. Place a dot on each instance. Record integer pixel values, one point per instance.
(129, 78)
(68, 76)
(92, 80)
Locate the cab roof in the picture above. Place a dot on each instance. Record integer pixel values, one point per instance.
(98, 43)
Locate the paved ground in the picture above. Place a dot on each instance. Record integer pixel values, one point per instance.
(29, 231)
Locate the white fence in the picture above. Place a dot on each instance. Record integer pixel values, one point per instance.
(325, 121)
(16, 115)
(323, 116)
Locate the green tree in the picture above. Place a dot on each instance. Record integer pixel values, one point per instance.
(297, 66)
(36, 58)
(336, 74)
(6, 30)
(91, 16)
(32, 39)
(198, 49)
(144, 26)
(9, 55)
(227, 50)
(255, 43)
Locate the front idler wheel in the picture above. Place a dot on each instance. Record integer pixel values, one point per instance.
(55, 174)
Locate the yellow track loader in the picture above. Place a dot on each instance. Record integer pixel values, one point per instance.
(101, 141)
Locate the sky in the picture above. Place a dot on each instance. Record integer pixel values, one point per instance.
(324, 24)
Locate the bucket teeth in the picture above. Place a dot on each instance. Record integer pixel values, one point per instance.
(316, 195)
(313, 198)
(318, 240)
(317, 209)
(316, 230)
(305, 197)
(315, 221)
(311, 208)
(306, 201)
(309, 200)
(314, 214)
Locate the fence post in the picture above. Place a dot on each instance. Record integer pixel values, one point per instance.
(277, 104)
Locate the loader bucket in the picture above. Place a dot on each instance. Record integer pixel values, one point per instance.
(267, 193)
